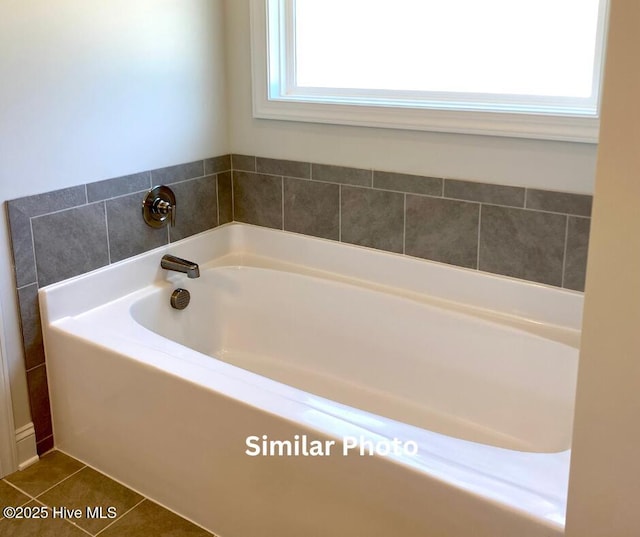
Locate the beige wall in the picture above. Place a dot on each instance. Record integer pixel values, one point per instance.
(604, 491)
(534, 163)
(92, 90)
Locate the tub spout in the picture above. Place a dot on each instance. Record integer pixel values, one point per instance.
(171, 262)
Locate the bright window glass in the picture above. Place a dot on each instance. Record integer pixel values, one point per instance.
(525, 68)
(522, 47)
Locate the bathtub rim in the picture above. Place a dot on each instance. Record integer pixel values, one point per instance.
(552, 312)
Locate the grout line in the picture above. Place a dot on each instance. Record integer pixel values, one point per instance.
(106, 223)
(46, 437)
(517, 208)
(86, 194)
(526, 191)
(30, 498)
(404, 226)
(61, 481)
(564, 256)
(282, 204)
(120, 517)
(233, 197)
(67, 209)
(217, 198)
(117, 196)
(33, 368)
(26, 285)
(479, 228)
(339, 213)
(441, 197)
(33, 247)
(443, 180)
(371, 179)
(76, 525)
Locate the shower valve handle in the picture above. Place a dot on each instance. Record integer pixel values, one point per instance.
(159, 207)
(164, 207)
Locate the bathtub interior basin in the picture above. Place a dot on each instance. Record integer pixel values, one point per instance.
(424, 365)
(304, 336)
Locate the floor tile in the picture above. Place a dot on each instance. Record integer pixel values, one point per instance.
(63, 482)
(47, 472)
(39, 527)
(151, 519)
(11, 497)
(91, 489)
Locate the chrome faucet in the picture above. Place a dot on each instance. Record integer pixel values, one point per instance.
(171, 262)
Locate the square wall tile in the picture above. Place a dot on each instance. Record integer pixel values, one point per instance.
(442, 230)
(19, 212)
(342, 175)
(217, 164)
(523, 244)
(197, 207)
(175, 174)
(257, 199)
(373, 218)
(70, 242)
(559, 202)
(312, 208)
(44, 446)
(225, 198)
(484, 192)
(39, 401)
(245, 163)
(129, 234)
(403, 182)
(119, 186)
(31, 327)
(288, 168)
(575, 267)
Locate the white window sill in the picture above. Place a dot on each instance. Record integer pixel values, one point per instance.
(536, 126)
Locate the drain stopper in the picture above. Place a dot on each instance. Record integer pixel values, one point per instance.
(180, 299)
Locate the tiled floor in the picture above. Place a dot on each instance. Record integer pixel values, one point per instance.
(61, 482)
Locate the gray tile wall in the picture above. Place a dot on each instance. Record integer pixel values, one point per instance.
(531, 234)
(67, 232)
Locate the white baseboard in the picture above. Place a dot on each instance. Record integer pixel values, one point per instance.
(26, 446)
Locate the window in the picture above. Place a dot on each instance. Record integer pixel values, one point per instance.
(527, 68)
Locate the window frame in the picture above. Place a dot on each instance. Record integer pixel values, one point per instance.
(273, 61)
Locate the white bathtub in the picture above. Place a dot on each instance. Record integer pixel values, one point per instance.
(467, 378)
